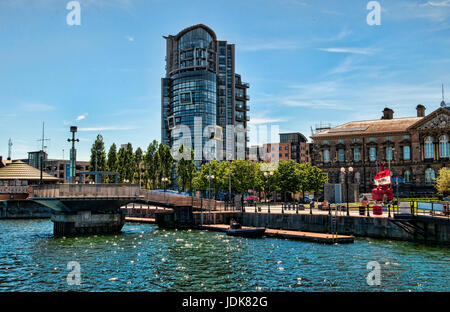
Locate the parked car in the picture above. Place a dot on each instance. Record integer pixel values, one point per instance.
(250, 199)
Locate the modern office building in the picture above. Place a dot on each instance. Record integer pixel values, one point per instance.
(201, 83)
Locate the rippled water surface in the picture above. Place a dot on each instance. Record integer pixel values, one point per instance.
(145, 258)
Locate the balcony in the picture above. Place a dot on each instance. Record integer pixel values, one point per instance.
(242, 97)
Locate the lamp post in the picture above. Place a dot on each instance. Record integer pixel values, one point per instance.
(268, 175)
(165, 180)
(346, 174)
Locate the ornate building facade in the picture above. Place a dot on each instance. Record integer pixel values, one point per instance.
(414, 148)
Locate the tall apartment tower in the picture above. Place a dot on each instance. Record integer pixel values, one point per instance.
(201, 82)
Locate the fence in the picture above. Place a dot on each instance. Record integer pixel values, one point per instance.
(183, 200)
(86, 190)
(14, 189)
(124, 191)
(426, 208)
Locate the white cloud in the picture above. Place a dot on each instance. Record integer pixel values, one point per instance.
(37, 107)
(129, 38)
(108, 128)
(81, 117)
(445, 3)
(269, 45)
(365, 51)
(259, 121)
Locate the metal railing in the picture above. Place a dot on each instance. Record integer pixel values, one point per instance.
(182, 200)
(125, 191)
(14, 189)
(85, 191)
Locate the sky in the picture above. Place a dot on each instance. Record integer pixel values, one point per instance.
(307, 62)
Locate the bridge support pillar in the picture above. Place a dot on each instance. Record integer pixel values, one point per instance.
(85, 222)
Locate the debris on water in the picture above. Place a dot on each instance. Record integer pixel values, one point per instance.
(112, 279)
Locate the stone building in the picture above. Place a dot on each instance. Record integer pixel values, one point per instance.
(414, 148)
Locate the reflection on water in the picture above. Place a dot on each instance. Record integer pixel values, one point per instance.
(145, 258)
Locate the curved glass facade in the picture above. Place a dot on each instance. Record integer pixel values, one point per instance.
(193, 94)
(196, 38)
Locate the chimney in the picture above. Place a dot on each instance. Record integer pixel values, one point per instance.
(420, 110)
(388, 113)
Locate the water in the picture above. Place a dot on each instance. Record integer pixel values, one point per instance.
(145, 258)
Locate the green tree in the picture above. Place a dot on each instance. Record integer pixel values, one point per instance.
(98, 156)
(303, 178)
(443, 181)
(201, 177)
(186, 169)
(126, 164)
(317, 179)
(151, 165)
(165, 160)
(139, 162)
(287, 177)
(244, 176)
(112, 162)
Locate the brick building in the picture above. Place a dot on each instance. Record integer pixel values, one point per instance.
(414, 148)
(292, 146)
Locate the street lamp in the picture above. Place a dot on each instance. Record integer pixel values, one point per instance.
(165, 180)
(346, 174)
(267, 175)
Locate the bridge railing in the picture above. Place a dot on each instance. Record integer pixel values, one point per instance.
(86, 190)
(182, 200)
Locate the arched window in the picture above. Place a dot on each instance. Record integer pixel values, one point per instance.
(429, 175)
(407, 176)
(443, 146)
(429, 147)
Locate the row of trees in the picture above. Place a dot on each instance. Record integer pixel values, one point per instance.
(138, 167)
(243, 175)
(150, 167)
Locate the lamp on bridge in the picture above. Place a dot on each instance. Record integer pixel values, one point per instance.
(165, 180)
(346, 174)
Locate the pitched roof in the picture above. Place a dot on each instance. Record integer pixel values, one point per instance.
(369, 127)
(18, 170)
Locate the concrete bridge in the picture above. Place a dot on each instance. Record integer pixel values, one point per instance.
(95, 208)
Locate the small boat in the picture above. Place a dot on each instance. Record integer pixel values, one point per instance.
(236, 229)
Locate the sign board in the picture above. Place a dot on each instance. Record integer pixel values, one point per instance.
(383, 177)
(67, 171)
(398, 180)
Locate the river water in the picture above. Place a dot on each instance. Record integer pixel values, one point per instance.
(145, 258)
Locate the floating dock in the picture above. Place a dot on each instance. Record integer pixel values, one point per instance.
(295, 235)
(140, 220)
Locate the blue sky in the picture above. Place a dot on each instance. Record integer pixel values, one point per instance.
(307, 62)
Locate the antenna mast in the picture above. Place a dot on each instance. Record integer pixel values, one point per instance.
(42, 152)
(9, 148)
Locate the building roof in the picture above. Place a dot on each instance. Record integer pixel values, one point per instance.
(369, 127)
(18, 170)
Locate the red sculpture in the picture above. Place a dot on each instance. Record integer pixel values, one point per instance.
(383, 190)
